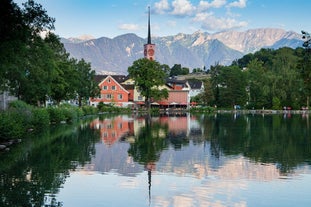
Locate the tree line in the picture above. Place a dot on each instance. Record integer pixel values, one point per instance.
(270, 79)
(33, 67)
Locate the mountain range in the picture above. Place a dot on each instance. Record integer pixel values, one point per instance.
(197, 50)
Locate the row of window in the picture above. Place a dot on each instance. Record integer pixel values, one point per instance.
(110, 96)
(112, 88)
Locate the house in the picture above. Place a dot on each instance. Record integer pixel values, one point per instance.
(178, 94)
(196, 87)
(111, 91)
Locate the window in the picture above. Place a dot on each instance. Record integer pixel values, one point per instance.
(140, 98)
(108, 96)
(109, 80)
(104, 87)
(120, 97)
(113, 87)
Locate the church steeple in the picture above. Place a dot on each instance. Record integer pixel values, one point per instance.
(149, 31)
(149, 48)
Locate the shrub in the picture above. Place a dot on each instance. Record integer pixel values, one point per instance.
(69, 113)
(11, 126)
(40, 119)
(89, 110)
(56, 115)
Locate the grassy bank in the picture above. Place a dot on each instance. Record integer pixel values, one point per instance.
(21, 119)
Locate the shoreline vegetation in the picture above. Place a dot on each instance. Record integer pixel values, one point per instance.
(21, 120)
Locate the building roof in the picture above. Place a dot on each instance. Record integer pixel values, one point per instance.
(195, 84)
(118, 78)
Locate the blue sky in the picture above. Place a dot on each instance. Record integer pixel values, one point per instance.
(110, 18)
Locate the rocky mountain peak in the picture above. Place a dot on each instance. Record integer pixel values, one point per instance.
(190, 50)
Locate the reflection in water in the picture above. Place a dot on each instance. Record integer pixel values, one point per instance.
(186, 160)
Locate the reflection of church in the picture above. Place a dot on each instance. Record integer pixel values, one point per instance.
(125, 128)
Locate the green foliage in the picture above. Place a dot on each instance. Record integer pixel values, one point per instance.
(89, 110)
(104, 108)
(276, 103)
(266, 79)
(56, 115)
(148, 76)
(41, 119)
(33, 68)
(204, 109)
(11, 125)
(178, 70)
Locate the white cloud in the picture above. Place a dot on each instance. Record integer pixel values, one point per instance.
(203, 5)
(130, 27)
(182, 7)
(211, 23)
(204, 12)
(201, 17)
(161, 6)
(239, 4)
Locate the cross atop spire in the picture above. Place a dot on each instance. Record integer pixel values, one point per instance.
(149, 32)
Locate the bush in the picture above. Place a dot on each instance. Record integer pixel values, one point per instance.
(56, 115)
(40, 119)
(89, 110)
(11, 126)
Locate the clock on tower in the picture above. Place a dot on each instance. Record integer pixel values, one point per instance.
(149, 48)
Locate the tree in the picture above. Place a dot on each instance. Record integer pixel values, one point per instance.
(148, 76)
(25, 59)
(178, 70)
(84, 82)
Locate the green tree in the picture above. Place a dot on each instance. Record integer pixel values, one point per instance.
(255, 77)
(166, 70)
(84, 82)
(178, 70)
(148, 76)
(24, 57)
(304, 68)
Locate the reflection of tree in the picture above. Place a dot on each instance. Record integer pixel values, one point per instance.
(148, 145)
(36, 174)
(269, 139)
(149, 142)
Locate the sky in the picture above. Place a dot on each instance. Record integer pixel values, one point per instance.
(111, 18)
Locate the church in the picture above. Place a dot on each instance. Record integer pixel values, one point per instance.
(119, 90)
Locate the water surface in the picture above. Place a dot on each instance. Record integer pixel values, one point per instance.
(184, 160)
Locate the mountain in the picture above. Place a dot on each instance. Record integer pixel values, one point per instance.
(114, 56)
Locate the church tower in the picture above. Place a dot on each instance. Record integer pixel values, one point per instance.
(149, 48)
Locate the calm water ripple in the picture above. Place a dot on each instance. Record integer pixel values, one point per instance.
(184, 160)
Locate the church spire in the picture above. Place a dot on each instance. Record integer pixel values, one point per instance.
(149, 32)
(149, 48)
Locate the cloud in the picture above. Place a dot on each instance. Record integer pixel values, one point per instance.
(204, 12)
(182, 8)
(239, 4)
(161, 6)
(203, 5)
(212, 23)
(130, 27)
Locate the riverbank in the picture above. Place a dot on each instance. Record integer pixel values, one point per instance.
(264, 111)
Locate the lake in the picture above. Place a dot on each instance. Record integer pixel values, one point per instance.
(182, 160)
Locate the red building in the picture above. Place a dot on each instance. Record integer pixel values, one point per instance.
(111, 91)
